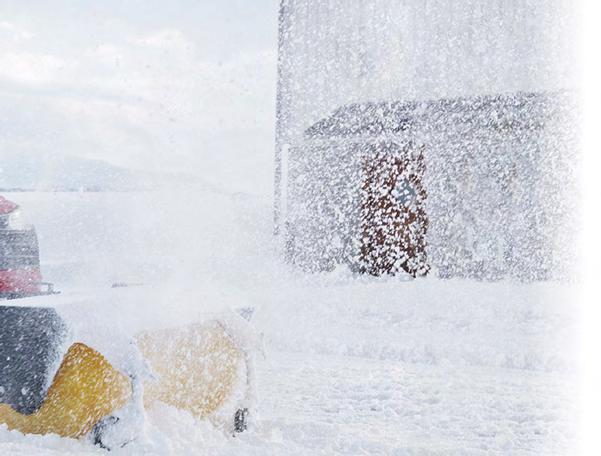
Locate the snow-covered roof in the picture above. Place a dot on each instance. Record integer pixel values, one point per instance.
(522, 110)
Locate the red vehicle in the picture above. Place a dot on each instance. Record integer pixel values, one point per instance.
(20, 274)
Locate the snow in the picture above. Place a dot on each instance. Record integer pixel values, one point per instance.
(345, 363)
(476, 99)
(350, 365)
(332, 54)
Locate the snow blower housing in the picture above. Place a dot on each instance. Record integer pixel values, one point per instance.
(76, 377)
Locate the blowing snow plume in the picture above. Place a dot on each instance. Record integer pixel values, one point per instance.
(469, 116)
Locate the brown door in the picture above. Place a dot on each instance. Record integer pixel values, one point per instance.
(393, 218)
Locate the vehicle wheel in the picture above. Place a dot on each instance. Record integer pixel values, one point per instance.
(240, 420)
(108, 435)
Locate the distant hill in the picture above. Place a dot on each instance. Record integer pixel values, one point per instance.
(67, 173)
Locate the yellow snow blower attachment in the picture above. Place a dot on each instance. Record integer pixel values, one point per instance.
(51, 382)
(174, 356)
(85, 389)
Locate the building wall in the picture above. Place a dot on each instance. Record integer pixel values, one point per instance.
(335, 52)
(503, 195)
(499, 202)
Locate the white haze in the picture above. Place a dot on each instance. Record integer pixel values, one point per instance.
(351, 364)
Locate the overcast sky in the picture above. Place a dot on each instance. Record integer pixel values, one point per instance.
(177, 85)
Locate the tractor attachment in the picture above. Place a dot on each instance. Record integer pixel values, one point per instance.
(55, 378)
(78, 366)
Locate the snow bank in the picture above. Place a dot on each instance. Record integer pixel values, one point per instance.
(429, 321)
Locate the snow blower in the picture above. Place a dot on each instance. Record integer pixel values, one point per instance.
(87, 365)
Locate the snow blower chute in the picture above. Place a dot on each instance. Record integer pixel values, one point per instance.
(88, 365)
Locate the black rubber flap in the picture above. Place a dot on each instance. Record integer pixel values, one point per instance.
(31, 339)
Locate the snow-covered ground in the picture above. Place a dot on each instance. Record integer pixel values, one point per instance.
(351, 365)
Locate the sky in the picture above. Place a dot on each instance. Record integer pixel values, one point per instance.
(176, 85)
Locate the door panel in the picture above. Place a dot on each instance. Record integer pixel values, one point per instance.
(393, 218)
